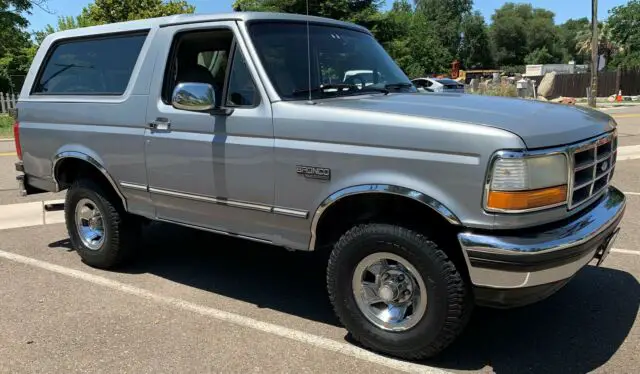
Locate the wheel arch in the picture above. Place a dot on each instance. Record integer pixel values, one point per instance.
(62, 161)
(383, 189)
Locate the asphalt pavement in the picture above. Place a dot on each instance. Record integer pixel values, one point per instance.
(198, 302)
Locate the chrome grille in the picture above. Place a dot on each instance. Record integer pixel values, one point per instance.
(593, 167)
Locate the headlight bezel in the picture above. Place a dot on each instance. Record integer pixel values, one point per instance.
(521, 154)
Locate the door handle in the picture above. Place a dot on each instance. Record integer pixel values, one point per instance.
(160, 124)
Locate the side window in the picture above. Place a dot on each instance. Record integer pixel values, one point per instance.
(198, 57)
(428, 83)
(241, 91)
(97, 66)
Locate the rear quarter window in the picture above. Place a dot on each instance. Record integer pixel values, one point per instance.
(95, 66)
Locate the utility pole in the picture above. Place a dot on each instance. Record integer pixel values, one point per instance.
(594, 53)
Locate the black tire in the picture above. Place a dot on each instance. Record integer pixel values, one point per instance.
(121, 230)
(449, 300)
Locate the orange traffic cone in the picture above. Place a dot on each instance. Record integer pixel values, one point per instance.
(619, 96)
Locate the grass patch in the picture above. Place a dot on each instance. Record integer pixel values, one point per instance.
(6, 126)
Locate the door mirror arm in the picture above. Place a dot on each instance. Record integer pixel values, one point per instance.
(221, 111)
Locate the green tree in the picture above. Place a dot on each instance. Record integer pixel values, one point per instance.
(446, 17)
(427, 54)
(518, 30)
(508, 33)
(394, 30)
(567, 35)
(607, 46)
(475, 51)
(542, 32)
(15, 46)
(13, 23)
(412, 41)
(64, 23)
(363, 12)
(110, 11)
(539, 56)
(624, 33)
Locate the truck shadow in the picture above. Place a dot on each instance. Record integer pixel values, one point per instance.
(576, 330)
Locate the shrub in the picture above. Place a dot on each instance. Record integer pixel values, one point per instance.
(6, 124)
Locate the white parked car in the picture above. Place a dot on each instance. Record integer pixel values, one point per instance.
(361, 78)
(438, 85)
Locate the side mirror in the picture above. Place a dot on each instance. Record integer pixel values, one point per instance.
(198, 97)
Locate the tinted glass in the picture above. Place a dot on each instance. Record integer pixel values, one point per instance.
(242, 91)
(349, 58)
(447, 81)
(91, 67)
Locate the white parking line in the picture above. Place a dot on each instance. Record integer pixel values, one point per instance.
(629, 152)
(625, 251)
(269, 328)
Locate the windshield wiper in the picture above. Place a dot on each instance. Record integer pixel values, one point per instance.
(375, 89)
(338, 86)
(387, 87)
(398, 85)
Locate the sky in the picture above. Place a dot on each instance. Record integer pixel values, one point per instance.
(563, 9)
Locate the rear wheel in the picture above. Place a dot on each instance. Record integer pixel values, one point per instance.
(102, 233)
(396, 291)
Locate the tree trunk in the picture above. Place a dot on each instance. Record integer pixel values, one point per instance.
(594, 53)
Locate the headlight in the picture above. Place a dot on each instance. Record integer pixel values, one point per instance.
(519, 183)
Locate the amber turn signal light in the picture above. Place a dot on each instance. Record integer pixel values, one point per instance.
(523, 200)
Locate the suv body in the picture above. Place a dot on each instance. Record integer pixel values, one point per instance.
(426, 204)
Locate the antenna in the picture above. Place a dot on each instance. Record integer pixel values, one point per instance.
(308, 53)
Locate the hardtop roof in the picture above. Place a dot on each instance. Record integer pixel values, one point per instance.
(150, 23)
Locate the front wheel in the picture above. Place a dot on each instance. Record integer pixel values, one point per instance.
(396, 291)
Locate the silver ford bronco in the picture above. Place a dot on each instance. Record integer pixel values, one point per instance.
(301, 132)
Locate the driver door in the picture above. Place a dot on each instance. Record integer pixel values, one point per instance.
(208, 169)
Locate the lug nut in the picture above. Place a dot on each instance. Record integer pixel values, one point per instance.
(400, 278)
(407, 292)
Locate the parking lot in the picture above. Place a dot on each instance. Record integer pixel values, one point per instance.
(197, 302)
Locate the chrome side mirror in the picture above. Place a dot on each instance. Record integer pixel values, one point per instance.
(198, 97)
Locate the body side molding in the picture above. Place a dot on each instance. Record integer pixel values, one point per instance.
(219, 200)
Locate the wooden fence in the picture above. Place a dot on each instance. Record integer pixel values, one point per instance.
(7, 101)
(576, 85)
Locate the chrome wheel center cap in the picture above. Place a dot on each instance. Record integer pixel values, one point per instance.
(387, 293)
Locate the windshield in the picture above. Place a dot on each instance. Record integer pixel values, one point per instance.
(343, 61)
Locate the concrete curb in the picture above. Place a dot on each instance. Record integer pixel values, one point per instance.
(6, 140)
(31, 214)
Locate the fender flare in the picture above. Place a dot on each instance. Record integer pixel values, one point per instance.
(420, 197)
(90, 160)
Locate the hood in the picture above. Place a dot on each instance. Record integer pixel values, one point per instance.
(539, 124)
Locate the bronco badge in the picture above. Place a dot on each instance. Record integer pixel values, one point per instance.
(314, 172)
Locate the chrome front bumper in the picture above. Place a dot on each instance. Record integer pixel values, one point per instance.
(546, 255)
